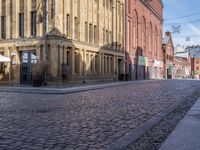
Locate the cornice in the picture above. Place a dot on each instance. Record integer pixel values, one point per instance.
(146, 3)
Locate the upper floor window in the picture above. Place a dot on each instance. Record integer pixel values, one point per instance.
(3, 27)
(67, 25)
(75, 27)
(90, 33)
(21, 24)
(95, 34)
(33, 23)
(52, 9)
(86, 32)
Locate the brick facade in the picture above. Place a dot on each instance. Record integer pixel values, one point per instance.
(168, 56)
(195, 65)
(144, 22)
(85, 35)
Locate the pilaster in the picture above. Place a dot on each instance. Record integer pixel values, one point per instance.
(8, 23)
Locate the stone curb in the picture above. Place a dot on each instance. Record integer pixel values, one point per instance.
(133, 135)
(186, 134)
(68, 90)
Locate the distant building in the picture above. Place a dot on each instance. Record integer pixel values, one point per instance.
(168, 55)
(195, 61)
(144, 55)
(196, 67)
(182, 62)
(86, 36)
(182, 67)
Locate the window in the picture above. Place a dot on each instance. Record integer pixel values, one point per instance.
(52, 9)
(3, 19)
(21, 24)
(1, 64)
(96, 64)
(103, 36)
(86, 32)
(197, 62)
(129, 7)
(75, 27)
(197, 68)
(95, 34)
(3, 27)
(143, 40)
(67, 25)
(68, 58)
(108, 64)
(33, 23)
(111, 65)
(90, 34)
(107, 37)
(103, 3)
(76, 61)
(92, 63)
(111, 5)
(110, 37)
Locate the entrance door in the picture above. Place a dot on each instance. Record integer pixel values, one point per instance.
(120, 74)
(27, 60)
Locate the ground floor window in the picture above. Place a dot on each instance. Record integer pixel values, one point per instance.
(2, 65)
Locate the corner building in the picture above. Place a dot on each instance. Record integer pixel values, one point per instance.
(144, 55)
(87, 36)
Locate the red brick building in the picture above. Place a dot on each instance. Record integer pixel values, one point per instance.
(144, 23)
(195, 67)
(168, 56)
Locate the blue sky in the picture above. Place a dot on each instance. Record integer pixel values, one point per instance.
(190, 26)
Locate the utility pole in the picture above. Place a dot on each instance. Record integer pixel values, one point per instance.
(46, 44)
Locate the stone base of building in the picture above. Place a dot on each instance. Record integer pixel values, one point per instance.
(81, 61)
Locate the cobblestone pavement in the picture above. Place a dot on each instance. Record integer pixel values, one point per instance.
(83, 120)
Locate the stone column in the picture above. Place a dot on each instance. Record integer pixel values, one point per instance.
(27, 17)
(16, 18)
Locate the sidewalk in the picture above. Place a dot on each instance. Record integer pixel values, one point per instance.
(65, 89)
(186, 135)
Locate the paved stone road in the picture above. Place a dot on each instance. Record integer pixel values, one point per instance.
(83, 120)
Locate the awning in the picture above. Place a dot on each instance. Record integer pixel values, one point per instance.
(4, 59)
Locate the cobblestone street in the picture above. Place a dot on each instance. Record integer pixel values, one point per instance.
(83, 120)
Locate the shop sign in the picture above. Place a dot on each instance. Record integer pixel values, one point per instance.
(143, 61)
(157, 63)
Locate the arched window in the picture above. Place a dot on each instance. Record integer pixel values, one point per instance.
(150, 36)
(135, 29)
(156, 41)
(160, 43)
(143, 35)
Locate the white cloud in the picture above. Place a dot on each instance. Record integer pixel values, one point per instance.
(194, 29)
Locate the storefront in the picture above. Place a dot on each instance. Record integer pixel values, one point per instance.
(157, 69)
(170, 71)
(142, 64)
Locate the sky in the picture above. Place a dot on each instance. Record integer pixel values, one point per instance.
(186, 14)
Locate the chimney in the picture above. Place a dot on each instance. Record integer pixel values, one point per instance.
(168, 33)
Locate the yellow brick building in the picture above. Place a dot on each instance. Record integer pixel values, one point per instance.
(87, 36)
